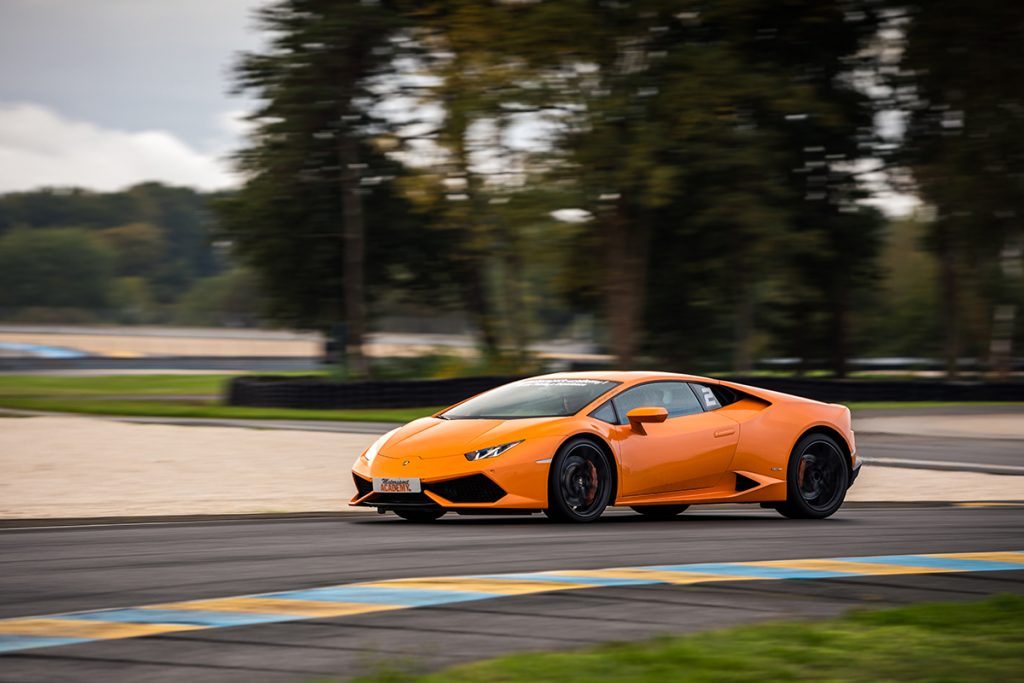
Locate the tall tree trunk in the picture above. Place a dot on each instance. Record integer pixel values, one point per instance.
(517, 302)
(950, 299)
(353, 231)
(474, 291)
(840, 329)
(1004, 313)
(626, 259)
(477, 291)
(800, 343)
(743, 354)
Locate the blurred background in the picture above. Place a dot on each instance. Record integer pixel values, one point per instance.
(443, 188)
(432, 197)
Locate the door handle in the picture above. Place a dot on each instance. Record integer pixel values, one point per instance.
(725, 432)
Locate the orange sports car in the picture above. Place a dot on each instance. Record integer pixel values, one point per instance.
(571, 444)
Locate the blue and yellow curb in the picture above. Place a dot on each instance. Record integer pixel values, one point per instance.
(25, 633)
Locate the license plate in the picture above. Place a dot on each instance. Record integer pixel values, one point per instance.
(387, 485)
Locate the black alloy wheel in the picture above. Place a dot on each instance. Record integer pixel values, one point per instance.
(579, 482)
(659, 511)
(817, 478)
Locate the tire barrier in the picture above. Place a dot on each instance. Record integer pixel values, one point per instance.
(270, 391)
(855, 390)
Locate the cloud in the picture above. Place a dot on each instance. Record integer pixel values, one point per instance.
(38, 147)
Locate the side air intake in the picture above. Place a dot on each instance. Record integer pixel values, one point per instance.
(744, 483)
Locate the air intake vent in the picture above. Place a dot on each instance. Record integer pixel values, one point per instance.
(473, 489)
(745, 483)
(363, 486)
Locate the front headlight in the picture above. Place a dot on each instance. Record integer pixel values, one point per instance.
(370, 453)
(492, 452)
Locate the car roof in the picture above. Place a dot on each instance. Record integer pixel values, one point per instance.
(627, 376)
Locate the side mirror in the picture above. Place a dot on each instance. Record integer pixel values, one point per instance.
(639, 416)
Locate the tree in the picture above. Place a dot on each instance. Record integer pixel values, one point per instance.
(137, 248)
(962, 84)
(55, 268)
(318, 188)
(160, 233)
(674, 121)
(231, 299)
(833, 243)
(907, 318)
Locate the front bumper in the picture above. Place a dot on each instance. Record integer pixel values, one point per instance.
(475, 489)
(854, 471)
(512, 481)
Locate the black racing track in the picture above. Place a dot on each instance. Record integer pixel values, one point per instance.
(62, 569)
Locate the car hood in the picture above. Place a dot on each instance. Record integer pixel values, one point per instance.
(432, 437)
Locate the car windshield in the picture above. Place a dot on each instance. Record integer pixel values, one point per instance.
(532, 398)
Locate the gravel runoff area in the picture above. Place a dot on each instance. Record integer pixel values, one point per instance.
(64, 467)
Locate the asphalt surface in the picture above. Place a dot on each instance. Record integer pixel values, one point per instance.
(997, 456)
(64, 569)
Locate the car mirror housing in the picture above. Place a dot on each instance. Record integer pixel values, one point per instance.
(645, 415)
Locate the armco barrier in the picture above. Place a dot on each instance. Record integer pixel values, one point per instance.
(269, 391)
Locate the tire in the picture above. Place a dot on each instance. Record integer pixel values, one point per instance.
(816, 479)
(579, 482)
(420, 516)
(659, 511)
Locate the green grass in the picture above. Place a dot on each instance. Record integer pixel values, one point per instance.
(111, 385)
(935, 643)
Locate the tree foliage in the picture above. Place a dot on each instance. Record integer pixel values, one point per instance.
(714, 158)
(319, 203)
(54, 268)
(154, 239)
(704, 142)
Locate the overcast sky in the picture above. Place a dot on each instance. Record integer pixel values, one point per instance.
(106, 93)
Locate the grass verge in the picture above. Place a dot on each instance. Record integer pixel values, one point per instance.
(52, 386)
(977, 643)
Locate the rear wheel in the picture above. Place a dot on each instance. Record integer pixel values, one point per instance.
(816, 480)
(579, 483)
(420, 515)
(659, 511)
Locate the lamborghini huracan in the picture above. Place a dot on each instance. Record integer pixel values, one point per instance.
(572, 444)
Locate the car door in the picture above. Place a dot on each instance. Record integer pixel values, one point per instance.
(691, 449)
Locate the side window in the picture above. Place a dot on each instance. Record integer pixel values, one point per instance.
(606, 413)
(707, 397)
(675, 397)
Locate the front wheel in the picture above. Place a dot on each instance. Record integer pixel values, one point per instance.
(816, 480)
(659, 511)
(579, 483)
(420, 515)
